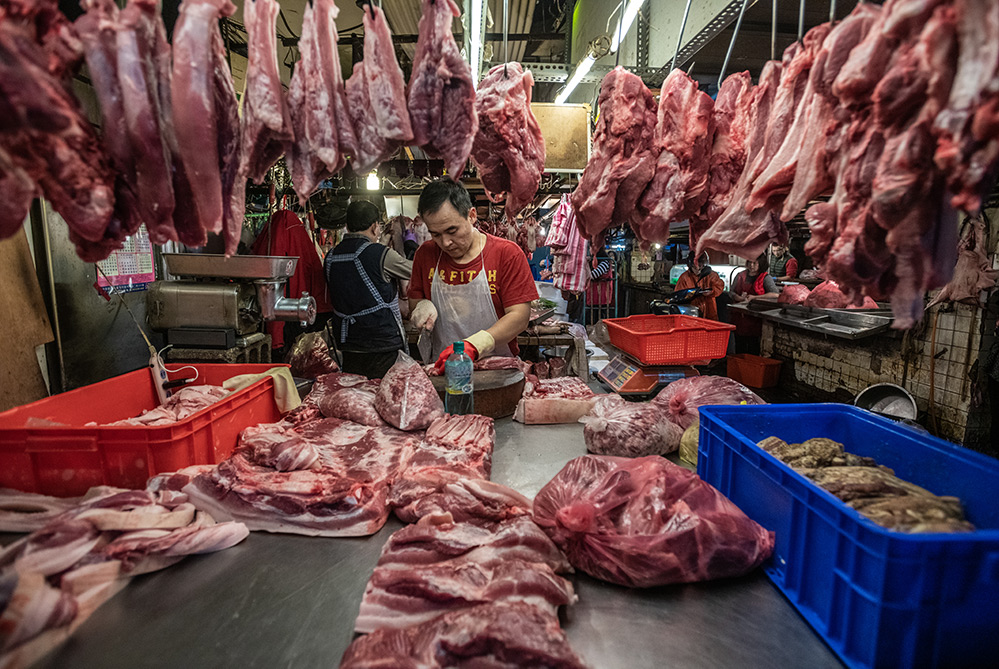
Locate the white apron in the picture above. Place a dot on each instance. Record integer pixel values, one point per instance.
(462, 310)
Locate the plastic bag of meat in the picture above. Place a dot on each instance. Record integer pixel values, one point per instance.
(406, 398)
(794, 294)
(615, 426)
(647, 522)
(309, 357)
(355, 404)
(682, 397)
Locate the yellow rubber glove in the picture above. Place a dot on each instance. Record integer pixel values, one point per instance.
(483, 342)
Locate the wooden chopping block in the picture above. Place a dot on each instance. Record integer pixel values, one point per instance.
(495, 391)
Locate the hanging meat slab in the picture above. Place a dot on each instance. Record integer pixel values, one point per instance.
(683, 137)
(509, 150)
(266, 121)
(376, 97)
(441, 90)
(624, 156)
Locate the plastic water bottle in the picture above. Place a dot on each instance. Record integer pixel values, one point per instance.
(458, 373)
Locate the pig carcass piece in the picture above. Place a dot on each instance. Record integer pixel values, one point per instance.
(624, 156)
(266, 121)
(735, 231)
(683, 137)
(376, 97)
(441, 91)
(749, 225)
(974, 272)
(731, 116)
(317, 101)
(507, 634)
(968, 128)
(508, 150)
(44, 135)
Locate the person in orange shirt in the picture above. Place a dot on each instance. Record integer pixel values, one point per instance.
(700, 275)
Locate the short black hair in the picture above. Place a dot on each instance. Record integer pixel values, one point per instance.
(361, 215)
(763, 263)
(692, 256)
(436, 193)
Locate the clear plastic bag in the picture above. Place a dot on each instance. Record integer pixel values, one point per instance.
(406, 397)
(354, 404)
(310, 356)
(645, 522)
(615, 426)
(683, 397)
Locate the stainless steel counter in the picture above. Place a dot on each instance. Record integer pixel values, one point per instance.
(288, 601)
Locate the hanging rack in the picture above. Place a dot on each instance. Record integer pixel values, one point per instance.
(773, 31)
(679, 38)
(731, 43)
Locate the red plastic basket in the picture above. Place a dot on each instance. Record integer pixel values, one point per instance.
(669, 340)
(69, 456)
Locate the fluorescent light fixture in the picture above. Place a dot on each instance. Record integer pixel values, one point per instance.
(475, 43)
(657, 246)
(582, 70)
(629, 19)
(373, 182)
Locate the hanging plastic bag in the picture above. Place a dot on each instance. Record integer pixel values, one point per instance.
(406, 398)
(310, 357)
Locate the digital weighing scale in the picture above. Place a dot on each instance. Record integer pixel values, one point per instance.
(628, 378)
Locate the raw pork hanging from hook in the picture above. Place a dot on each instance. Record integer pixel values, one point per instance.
(441, 90)
(324, 133)
(509, 150)
(376, 96)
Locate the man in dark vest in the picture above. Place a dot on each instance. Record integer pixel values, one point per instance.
(366, 322)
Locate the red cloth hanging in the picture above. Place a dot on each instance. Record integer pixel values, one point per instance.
(288, 237)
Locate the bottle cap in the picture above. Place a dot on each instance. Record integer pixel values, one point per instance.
(459, 346)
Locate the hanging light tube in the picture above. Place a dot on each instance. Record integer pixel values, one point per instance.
(582, 69)
(629, 18)
(476, 20)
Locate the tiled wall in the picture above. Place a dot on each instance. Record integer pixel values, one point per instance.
(837, 369)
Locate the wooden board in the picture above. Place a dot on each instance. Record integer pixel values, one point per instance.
(566, 129)
(28, 325)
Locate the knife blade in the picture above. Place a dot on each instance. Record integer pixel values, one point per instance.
(425, 346)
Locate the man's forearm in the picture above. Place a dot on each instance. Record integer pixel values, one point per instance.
(511, 324)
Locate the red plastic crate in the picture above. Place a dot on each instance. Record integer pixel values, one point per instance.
(669, 340)
(753, 370)
(67, 459)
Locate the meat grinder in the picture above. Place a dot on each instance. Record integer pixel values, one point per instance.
(217, 303)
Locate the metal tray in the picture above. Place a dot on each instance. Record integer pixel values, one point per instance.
(209, 265)
(842, 323)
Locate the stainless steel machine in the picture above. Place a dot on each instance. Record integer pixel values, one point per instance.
(214, 308)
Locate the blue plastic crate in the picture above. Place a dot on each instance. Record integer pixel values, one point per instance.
(879, 598)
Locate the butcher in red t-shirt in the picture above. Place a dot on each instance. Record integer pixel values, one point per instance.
(467, 285)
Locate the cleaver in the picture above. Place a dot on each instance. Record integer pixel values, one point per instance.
(425, 346)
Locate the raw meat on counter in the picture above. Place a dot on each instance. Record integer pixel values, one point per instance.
(398, 597)
(509, 150)
(794, 294)
(463, 501)
(53, 579)
(647, 522)
(624, 156)
(376, 97)
(437, 540)
(682, 397)
(512, 634)
(615, 426)
(491, 362)
(406, 398)
(310, 357)
(267, 125)
(342, 492)
(827, 295)
(355, 404)
(454, 449)
(562, 400)
(441, 90)
(871, 489)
